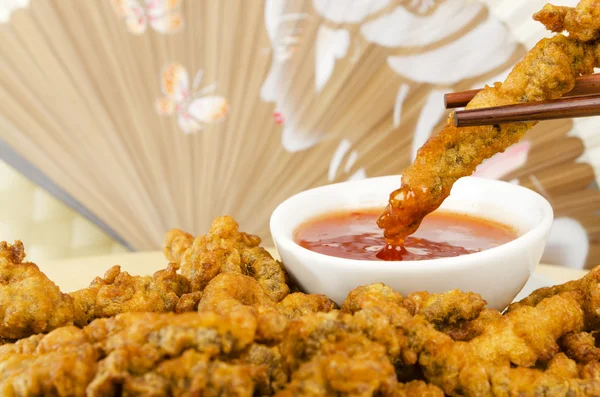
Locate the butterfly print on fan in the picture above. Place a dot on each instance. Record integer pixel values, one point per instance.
(194, 107)
(164, 16)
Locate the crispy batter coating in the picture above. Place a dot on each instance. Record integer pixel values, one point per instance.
(228, 290)
(172, 333)
(273, 375)
(349, 366)
(258, 263)
(582, 22)
(417, 388)
(29, 302)
(119, 292)
(227, 250)
(590, 370)
(485, 365)
(150, 354)
(581, 347)
(127, 372)
(377, 312)
(61, 363)
(167, 354)
(176, 243)
(517, 337)
(376, 340)
(547, 72)
(234, 292)
(586, 290)
(298, 304)
(188, 302)
(445, 309)
(467, 330)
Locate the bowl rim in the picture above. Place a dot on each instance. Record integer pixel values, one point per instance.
(468, 261)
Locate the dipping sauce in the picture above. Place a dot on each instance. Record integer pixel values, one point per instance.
(355, 235)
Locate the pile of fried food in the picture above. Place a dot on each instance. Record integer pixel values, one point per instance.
(224, 319)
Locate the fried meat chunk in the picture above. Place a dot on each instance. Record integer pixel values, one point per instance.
(61, 363)
(120, 292)
(547, 72)
(349, 366)
(581, 346)
(227, 250)
(582, 22)
(176, 243)
(445, 309)
(586, 290)
(29, 302)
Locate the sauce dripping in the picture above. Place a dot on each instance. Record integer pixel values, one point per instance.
(355, 235)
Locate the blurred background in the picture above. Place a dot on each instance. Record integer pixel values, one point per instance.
(120, 119)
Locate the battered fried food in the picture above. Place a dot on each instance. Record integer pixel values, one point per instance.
(176, 243)
(146, 354)
(547, 72)
(61, 363)
(586, 290)
(29, 302)
(350, 366)
(258, 263)
(188, 302)
(273, 376)
(445, 309)
(467, 330)
(226, 250)
(161, 354)
(582, 22)
(485, 365)
(417, 388)
(581, 346)
(230, 292)
(119, 292)
(299, 304)
(241, 342)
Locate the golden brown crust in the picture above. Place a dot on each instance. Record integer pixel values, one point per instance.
(242, 343)
(227, 250)
(29, 302)
(349, 366)
(299, 304)
(582, 22)
(587, 293)
(445, 309)
(581, 347)
(176, 243)
(547, 72)
(119, 292)
(61, 363)
(188, 302)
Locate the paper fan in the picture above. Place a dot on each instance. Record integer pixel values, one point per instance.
(163, 113)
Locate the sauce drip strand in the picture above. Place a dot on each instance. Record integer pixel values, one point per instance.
(355, 235)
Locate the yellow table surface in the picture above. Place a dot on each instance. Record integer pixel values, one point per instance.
(74, 274)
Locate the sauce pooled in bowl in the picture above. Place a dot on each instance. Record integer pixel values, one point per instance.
(355, 235)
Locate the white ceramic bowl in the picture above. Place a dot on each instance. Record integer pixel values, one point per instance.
(498, 274)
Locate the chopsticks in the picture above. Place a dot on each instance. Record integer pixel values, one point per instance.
(533, 111)
(584, 85)
(582, 101)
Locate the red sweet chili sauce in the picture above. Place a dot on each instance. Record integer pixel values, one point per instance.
(355, 235)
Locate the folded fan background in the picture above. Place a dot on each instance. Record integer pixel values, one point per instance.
(153, 114)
